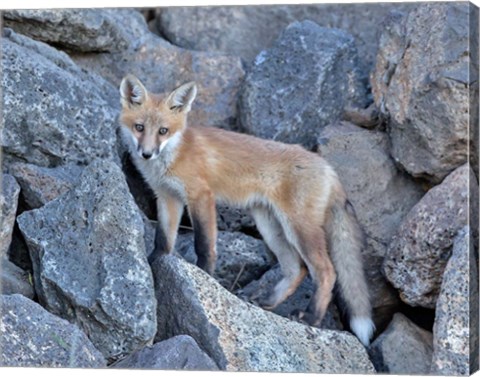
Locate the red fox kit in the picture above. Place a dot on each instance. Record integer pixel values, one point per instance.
(294, 196)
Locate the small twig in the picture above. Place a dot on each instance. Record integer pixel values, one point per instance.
(185, 227)
(238, 277)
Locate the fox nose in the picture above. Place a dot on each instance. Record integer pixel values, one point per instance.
(146, 155)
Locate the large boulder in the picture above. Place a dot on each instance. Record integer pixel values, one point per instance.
(33, 337)
(421, 82)
(40, 184)
(474, 96)
(74, 29)
(162, 67)
(53, 112)
(246, 30)
(89, 260)
(301, 84)
(8, 210)
(419, 251)
(455, 346)
(381, 195)
(403, 348)
(178, 353)
(240, 258)
(238, 336)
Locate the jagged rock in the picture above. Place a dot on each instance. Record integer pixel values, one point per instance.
(41, 185)
(242, 337)
(403, 348)
(455, 344)
(14, 280)
(89, 260)
(384, 298)
(380, 194)
(162, 67)
(246, 30)
(53, 112)
(75, 29)
(298, 300)
(301, 84)
(416, 257)
(240, 258)
(8, 207)
(421, 82)
(233, 219)
(33, 337)
(178, 353)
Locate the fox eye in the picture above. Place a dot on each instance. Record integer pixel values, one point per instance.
(139, 127)
(163, 131)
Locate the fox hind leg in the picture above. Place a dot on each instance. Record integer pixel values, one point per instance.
(292, 266)
(312, 247)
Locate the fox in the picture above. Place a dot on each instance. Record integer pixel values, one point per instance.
(295, 197)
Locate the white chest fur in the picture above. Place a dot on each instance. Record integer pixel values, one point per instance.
(156, 175)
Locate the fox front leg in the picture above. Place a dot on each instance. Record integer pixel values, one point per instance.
(204, 220)
(169, 213)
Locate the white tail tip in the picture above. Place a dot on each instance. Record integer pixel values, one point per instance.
(363, 328)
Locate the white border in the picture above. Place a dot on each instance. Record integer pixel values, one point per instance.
(49, 4)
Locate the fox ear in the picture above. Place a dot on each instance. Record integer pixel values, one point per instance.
(132, 91)
(181, 98)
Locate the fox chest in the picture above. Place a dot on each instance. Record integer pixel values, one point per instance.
(161, 182)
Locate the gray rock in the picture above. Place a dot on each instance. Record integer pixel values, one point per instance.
(403, 348)
(8, 207)
(417, 256)
(242, 337)
(54, 112)
(178, 353)
(421, 82)
(474, 89)
(233, 219)
(15, 280)
(41, 185)
(33, 337)
(163, 67)
(75, 29)
(297, 301)
(380, 194)
(150, 229)
(384, 298)
(301, 84)
(452, 329)
(89, 260)
(240, 258)
(246, 30)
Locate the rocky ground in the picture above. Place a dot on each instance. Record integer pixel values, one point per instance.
(383, 91)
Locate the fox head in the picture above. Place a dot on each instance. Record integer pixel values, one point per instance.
(154, 121)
